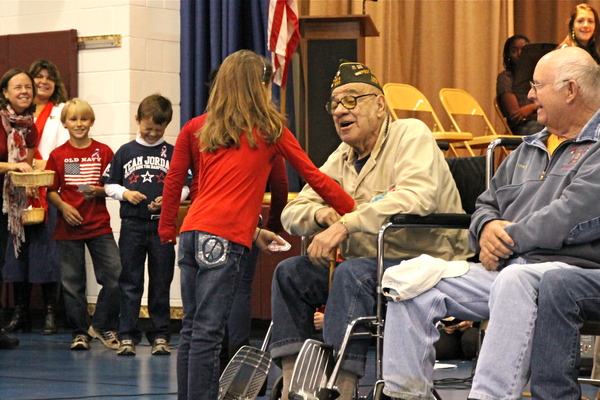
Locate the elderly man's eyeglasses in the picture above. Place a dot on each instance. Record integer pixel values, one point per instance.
(349, 102)
(536, 86)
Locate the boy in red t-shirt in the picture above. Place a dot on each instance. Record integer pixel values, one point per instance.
(79, 196)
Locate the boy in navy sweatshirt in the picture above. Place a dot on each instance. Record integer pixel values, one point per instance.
(135, 178)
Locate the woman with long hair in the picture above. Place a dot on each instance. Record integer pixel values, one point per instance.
(239, 137)
(583, 26)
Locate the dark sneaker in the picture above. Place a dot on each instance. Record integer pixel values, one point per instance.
(126, 348)
(160, 347)
(8, 342)
(108, 338)
(80, 342)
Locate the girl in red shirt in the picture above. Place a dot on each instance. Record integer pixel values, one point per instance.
(240, 136)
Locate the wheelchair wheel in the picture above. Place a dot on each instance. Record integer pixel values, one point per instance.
(277, 388)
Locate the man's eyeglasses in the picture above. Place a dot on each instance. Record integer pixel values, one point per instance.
(349, 102)
(535, 86)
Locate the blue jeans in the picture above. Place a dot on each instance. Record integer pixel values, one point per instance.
(300, 287)
(566, 298)
(507, 298)
(210, 273)
(107, 267)
(240, 319)
(138, 238)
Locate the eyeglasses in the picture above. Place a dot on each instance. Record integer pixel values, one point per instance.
(535, 86)
(349, 102)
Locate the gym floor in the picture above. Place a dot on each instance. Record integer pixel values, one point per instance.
(43, 367)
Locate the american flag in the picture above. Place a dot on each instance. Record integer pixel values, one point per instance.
(77, 173)
(284, 35)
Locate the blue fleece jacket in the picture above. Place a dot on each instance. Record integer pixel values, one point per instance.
(553, 200)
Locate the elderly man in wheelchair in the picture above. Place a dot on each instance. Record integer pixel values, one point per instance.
(539, 216)
(388, 167)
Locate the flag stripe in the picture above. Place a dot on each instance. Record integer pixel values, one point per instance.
(78, 174)
(284, 36)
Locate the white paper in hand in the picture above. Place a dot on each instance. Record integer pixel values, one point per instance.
(276, 247)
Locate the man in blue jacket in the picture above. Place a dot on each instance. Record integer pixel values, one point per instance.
(541, 213)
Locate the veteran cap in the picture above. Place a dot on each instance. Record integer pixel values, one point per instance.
(351, 72)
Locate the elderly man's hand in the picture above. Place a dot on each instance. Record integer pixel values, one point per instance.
(494, 242)
(326, 216)
(320, 248)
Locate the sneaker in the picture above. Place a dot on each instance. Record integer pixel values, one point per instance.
(80, 342)
(8, 342)
(108, 338)
(160, 347)
(126, 348)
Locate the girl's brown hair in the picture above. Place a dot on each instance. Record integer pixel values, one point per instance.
(239, 102)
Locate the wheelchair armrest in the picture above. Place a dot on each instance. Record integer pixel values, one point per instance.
(450, 221)
(510, 142)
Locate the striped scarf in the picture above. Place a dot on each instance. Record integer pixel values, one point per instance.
(15, 198)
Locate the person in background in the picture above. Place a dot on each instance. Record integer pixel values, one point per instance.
(29, 268)
(583, 25)
(136, 178)
(79, 196)
(240, 136)
(18, 137)
(519, 111)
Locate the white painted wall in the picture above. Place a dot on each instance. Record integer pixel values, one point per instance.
(114, 80)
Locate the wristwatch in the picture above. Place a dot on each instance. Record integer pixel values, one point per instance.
(343, 221)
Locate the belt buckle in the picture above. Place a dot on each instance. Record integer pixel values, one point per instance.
(154, 216)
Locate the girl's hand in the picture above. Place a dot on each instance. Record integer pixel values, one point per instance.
(264, 237)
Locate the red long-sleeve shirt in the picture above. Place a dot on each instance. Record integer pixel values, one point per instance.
(231, 185)
(185, 156)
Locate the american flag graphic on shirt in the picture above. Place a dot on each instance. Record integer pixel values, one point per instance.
(79, 173)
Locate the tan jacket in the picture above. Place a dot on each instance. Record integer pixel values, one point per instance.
(406, 173)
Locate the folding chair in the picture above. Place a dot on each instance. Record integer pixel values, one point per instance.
(404, 97)
(459, 102)
(507, 130)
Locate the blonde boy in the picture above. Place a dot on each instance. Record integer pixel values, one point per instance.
(79, 196)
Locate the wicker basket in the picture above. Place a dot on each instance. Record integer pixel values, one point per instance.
(32, 216)
(32, 179)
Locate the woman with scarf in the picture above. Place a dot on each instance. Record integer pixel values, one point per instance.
(18, 137)
(27, 268)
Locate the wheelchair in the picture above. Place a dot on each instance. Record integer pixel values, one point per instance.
(317, 366)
